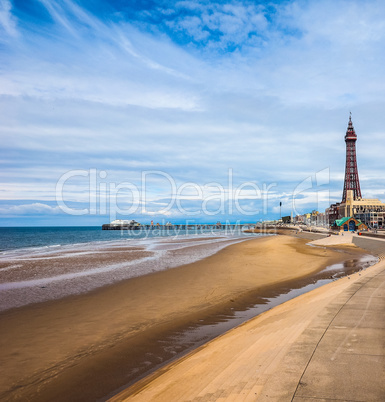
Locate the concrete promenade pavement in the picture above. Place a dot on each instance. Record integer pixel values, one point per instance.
(374, 245)
(348, 363)
(325, 345)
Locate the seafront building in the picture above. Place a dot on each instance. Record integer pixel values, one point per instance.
(349, 224)
(314, 218)
(332, 213)
(368, 210)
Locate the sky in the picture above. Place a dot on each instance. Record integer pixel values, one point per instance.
(186, 110)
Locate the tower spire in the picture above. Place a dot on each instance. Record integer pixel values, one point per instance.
(352, 181)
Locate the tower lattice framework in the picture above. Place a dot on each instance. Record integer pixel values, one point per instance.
(352, 181)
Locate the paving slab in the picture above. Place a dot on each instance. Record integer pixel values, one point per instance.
(355, 341)
(347, 377)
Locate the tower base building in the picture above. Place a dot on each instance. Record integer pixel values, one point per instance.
(371, 211)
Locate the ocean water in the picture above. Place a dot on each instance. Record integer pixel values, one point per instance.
(12, 238)
(39, 264)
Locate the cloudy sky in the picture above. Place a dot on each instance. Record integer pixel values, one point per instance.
(173, 110)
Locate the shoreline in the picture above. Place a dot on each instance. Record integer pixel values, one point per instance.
(47, 274)
(96, 330)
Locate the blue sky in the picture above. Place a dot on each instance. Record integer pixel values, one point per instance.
(162, 110)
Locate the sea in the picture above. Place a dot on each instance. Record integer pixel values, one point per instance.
(14, 238)
(45, 263)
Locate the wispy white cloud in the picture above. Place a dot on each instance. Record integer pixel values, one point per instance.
(28, 209)
(58, 15)
(8, 22)
(105, 64)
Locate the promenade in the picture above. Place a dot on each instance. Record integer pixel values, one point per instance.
(325, 345)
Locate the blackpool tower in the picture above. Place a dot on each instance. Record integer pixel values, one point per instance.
(351, 172)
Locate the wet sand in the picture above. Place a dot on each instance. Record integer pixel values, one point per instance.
(87, 346)
(46, 273)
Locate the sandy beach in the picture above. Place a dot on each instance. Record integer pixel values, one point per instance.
(88, 346)
(324, 345)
